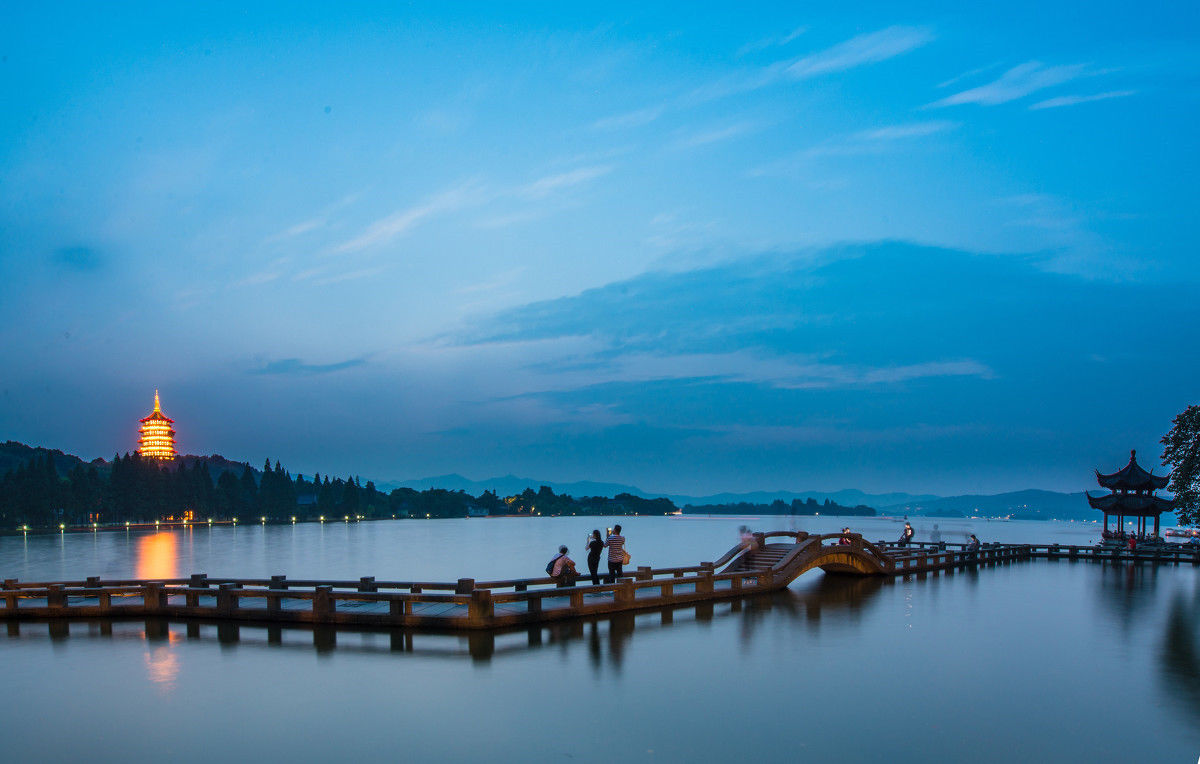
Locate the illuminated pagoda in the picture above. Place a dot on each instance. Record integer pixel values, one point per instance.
(1132, 495)
(156, 437)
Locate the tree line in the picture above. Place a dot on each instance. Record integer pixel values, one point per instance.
(38, 494)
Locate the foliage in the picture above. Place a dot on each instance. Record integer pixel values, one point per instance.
(779, 507)
(1181, 452)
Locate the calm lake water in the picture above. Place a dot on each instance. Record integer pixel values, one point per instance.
(1039, 661)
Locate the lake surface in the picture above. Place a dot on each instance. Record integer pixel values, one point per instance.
(1045, 660)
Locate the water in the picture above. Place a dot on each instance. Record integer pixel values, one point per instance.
(1041, 661)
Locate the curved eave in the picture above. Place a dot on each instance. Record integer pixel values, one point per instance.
(1125, 504)
(157, 416)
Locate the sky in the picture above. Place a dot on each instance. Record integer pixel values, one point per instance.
(904, 247)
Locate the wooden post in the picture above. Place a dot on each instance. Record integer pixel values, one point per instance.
(480, 608)
(274, 603)
(367, 584)
(199, 581)
(278, 582)
(644, 573)
(154, 599)
(624, 593)
(704, 583)
(105, 601)
(57, 597)
(323, 606)
(667, 590)
(93, 582)
(464, 586)
(576, 600)
(10, 583)
(227, 600)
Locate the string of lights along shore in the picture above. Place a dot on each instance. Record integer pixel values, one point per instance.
(156, 436)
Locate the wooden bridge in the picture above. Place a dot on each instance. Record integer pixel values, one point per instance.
(777, 560)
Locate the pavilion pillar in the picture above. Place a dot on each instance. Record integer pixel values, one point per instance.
(1106, 522)
(1156, 526)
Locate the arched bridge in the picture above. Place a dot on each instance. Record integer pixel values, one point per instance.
(783, 556)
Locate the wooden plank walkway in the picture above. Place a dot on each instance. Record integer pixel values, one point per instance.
(466, 604)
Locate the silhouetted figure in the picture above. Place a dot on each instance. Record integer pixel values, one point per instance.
(594, 547)
(973, 547)
(906, 535)
(845, 539)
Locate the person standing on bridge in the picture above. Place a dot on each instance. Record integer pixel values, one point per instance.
(594, 547)
(906, 536)
(616, 554)
(845, 539)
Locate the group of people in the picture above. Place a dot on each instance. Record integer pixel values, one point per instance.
(562, 567)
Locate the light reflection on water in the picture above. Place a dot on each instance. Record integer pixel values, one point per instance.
(1018, 661)
(157, 555)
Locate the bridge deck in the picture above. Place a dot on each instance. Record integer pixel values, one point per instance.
(779, 558)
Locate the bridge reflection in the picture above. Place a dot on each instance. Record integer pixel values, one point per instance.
(605, 638)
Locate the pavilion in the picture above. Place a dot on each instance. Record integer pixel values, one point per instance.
(1132, 495)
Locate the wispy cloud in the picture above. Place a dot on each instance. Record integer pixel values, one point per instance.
(547, 185)
(876, 140)
(1073, 100)
(400, 221)
(297, 367)
(910, 130)
(869, 48)
(968, 75)
(715, 135)
(1015, 83)
(628, 119)
(771, 42)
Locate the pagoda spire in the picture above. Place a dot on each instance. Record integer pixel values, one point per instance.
(157, 407)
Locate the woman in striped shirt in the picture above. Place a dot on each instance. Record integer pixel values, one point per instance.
(616, 553)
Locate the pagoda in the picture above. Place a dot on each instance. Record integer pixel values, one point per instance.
(156, 437)
(1132, 495)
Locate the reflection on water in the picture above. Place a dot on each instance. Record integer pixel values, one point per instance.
(157, 556)
(162, 667)
(1181, 654)
(607, 638)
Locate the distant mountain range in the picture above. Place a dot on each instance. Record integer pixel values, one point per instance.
(1031, 504)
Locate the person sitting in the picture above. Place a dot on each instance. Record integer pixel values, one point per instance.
(906, 536)
(973, 546)
(1132, 544)
(563, 569)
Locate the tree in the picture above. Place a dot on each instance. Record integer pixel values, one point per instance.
(1181, 452)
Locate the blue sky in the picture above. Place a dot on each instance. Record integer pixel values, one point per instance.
(924, 248)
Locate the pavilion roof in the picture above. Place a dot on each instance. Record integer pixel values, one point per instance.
(1130, 504)
(1132, 477)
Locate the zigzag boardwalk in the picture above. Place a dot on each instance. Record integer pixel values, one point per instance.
(467, 604)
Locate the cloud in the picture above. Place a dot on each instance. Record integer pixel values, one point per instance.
(1073, 100)
(79, 258)
(297, 367)
(771, 42)
(1015, 83)
(864, 49)
(400, 221)
(543, 187)
(873, 141)
(715, 135)
(911, 130)
(628, 119)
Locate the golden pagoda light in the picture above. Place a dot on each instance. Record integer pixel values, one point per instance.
(156, 437)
